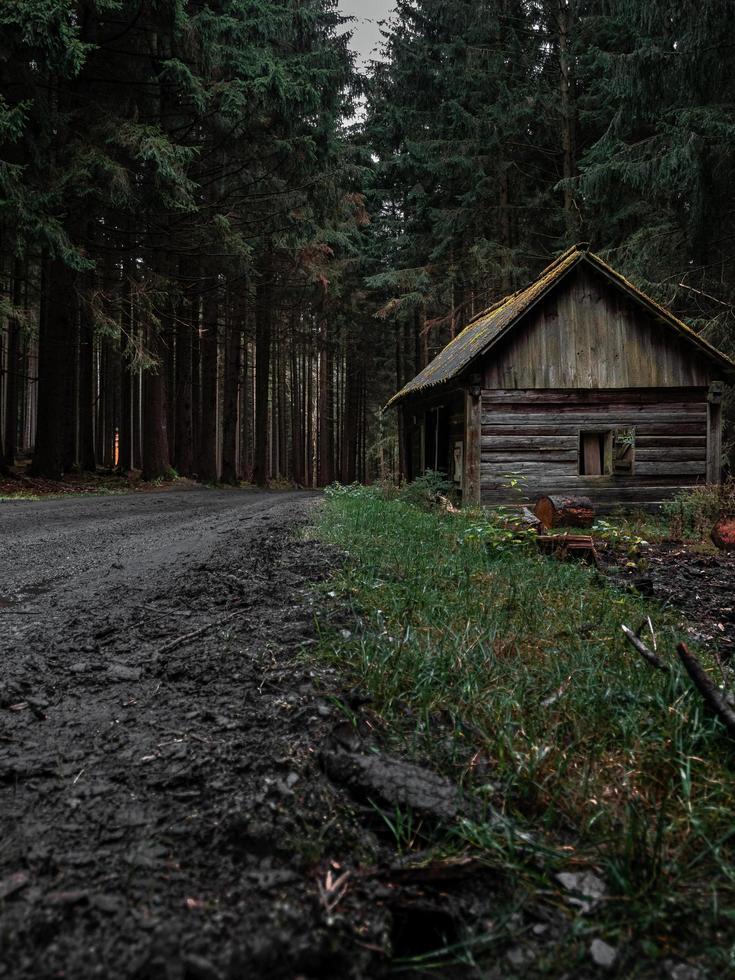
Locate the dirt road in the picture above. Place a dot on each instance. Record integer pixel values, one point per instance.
(162, 808)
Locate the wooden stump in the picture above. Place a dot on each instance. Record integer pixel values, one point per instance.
(565, 511)
(723, 534)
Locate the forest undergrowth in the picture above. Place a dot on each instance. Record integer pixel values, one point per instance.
(510, 672)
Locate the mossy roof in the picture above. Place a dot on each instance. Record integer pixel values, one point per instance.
(486, 329)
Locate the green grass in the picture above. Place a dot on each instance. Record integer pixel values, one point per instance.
(510, 672)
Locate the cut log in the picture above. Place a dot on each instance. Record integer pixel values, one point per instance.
(565, 511)
(723, 534)
(530, 520)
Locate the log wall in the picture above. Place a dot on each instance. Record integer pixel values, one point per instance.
(534, 434)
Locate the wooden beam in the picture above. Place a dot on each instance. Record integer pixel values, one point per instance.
(472, 446)
(714, 432)
(404, 444)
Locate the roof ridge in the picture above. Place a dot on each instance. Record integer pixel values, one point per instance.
(581, 247)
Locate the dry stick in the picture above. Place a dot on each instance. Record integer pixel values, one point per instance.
(653, 659)
(653, 635)
(707, 688)
(168, 647)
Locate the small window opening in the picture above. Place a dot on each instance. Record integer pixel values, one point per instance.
(594, 453)
(606, 453)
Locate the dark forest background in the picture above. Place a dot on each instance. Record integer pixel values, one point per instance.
(208, 265)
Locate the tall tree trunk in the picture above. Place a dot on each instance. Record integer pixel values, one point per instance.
(283, 461)
(350, 417)
(156, 460)
(125, 461)
(326, 430)
(567, 85)
(138, 414)
(87, 459)
(263, 315)
(309, 413)
(209, 401)
(3, 465)
(246, 414)
(196, 376)
(54, 367)
(108, 369)
(231, 382)
(13, 370)
(505, 229)
(183, 416)
(71, 396)
(297, 417)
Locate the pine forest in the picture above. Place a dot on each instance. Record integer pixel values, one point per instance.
(223, 247)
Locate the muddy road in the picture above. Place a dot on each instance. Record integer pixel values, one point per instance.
(164, 805)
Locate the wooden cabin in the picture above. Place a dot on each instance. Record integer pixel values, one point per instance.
(577, 384)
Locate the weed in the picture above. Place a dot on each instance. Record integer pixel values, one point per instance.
(692, 513)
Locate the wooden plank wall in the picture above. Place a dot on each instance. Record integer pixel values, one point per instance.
(587, 334)
(535, 434)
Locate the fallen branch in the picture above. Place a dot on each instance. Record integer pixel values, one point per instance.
(712, 695)
(653, 659)
(653, 634)
(172, 644)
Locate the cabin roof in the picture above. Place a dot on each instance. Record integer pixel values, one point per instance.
(488, 327)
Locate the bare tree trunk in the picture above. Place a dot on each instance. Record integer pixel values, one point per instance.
(231, 382)
(57, 325)
(297, 417)
(138, 413)
(283, 461)
(13, 370)
(125, 461)
(326, 432)
(156, 461)
(246, 416)
(196, 383)
(505, 229)
(308, 411)
(209, 400)
(87, 459)
(263, 320)
(183, 456)
(348, 468)
(567, 92)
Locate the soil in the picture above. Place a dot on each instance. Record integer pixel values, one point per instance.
(697, 582)
(179, 794)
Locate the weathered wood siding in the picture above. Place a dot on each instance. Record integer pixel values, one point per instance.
(588, 334)
(534, 434)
